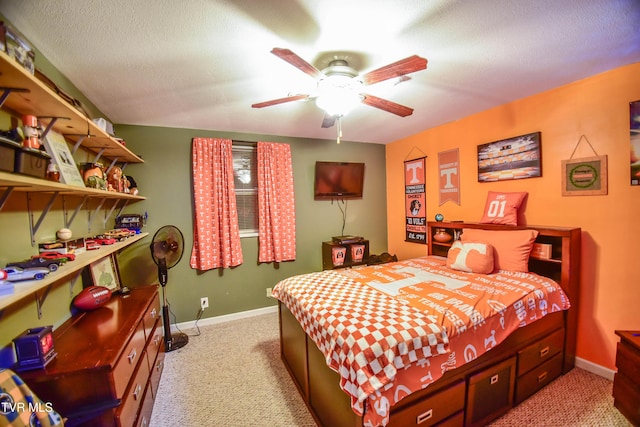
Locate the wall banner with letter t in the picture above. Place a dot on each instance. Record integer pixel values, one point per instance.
(415, 200)
(449, 176)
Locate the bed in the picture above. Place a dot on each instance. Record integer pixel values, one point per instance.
(410, 343)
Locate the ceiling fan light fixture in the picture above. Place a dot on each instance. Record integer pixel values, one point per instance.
(338, 94)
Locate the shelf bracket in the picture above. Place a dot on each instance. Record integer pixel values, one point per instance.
(98, 155)
(108, 215)
(41, 298)
(7, 91)
(69, 220)
(53, 121)
(33, 227)
(95, 213)
(78, 143)
(5, 196)
(72, 283)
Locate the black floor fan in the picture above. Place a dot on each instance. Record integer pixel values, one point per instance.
(167, 248)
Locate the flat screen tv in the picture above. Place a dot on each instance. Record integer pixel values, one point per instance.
(338, 180)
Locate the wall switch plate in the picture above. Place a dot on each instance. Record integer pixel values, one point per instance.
(269, 292)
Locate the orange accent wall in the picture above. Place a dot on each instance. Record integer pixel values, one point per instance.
(597, 107)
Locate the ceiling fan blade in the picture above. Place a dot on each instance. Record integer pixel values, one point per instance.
(279, 101)
(386, 105)
(328, 121)
(397, 69)
(296, 61)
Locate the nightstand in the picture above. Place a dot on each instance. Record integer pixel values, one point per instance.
(626, 384)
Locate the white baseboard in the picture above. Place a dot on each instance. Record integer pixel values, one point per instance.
(224, 318)
(595, 369)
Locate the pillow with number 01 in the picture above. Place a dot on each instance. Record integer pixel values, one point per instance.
(502, 208)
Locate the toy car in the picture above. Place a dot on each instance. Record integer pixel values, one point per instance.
(91, 244)
(15, 274)
(56, 255)
(101, 240)
(119, 233)
(51, 264)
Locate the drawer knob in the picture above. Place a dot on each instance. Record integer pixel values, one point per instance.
(153, 313)
(132, 356)
(136, 392)
(495, 378)
(424, 416)
(544, 351)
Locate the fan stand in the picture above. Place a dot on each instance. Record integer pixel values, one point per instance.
(171, 341)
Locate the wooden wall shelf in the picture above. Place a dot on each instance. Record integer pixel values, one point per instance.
(67, 271)
(36, 98)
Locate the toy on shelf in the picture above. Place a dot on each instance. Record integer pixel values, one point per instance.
(16, 274)
(48, 263)
(31, 131)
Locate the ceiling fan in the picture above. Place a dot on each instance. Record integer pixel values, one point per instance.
(340, 87)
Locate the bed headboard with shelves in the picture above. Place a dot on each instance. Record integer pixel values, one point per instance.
(563, 265)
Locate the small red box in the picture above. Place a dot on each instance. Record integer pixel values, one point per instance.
(541, 251)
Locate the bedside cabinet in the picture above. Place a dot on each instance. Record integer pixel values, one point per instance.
(626, 384)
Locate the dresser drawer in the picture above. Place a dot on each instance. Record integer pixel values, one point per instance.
(538, 377)
(128, 410)
(490, 392)
(626, 396)
(155, 345)
(628, 361)
(156, 373)
(431, 410)
(540, 351)
(130, 358)
(144, 416)
(151, 317)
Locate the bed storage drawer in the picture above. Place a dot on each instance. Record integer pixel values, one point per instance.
(539, 377)
(433, 409)
(540, 351)
(490, 392)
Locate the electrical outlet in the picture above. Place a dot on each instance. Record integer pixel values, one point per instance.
(204, 303)
(269, 292)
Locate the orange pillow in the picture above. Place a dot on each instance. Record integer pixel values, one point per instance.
(472, 257)
(502, 208)
(511, 247)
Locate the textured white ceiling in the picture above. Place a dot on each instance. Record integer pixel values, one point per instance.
(201, 63)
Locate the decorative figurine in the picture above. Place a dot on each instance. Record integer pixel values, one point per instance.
(439, 217)
(115, 179)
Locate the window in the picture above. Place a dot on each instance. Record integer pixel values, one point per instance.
(245, 178)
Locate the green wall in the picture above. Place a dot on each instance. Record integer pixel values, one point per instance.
(165, 179)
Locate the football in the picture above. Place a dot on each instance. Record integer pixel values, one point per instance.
(92, 297)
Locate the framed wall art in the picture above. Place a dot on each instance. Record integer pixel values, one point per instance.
(584, 177)
(513, 158)
(103, 272)
(58, 149)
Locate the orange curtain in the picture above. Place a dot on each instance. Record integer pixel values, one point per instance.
(216, 236)
(276, 203)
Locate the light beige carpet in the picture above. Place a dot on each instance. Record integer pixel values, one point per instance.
(232, 376)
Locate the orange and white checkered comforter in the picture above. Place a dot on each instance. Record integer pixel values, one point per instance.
(373, 323)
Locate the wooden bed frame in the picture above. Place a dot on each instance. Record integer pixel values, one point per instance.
(470, 395)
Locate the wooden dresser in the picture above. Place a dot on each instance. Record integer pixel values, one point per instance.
(626, 384)
(114, 352)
